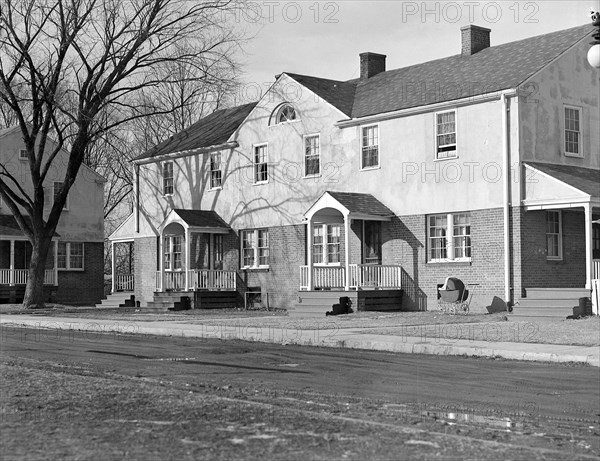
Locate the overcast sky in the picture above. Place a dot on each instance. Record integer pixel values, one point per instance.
(324, 38)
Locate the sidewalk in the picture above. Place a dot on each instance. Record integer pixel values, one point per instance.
(353, 338)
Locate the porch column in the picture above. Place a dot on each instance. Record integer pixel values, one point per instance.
(112, 265)
(347, 250)
(186, 246)
(309, 239)
(588, 245)
(161, 262)
(56, 264)
(11, 276)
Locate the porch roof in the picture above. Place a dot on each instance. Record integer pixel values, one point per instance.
(560, 186)
(353, 204)
(199, 220)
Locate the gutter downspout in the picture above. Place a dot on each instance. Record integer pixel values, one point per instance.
(506, 193)
(136, 185)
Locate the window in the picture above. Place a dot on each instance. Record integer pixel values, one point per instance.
(70, 256)
(55, 189)
(260, 164)
(446, 135)
(215, 170)
(285, 114)
(372, 242)
(255, 248)
(167, 174)
(217, 251)
(449, 237)
(573, 131)
(326, 244)
(311, 155)
(553, 235)
(370, 146)
(172, 248)
(23, 154)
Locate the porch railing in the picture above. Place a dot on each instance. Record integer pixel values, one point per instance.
(20, 277)
(124, 282)
(596, 269)
(376, 276)
(361, 276)
(205, 279)
(202, 279)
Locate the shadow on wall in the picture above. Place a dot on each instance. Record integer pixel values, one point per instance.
(414, 299)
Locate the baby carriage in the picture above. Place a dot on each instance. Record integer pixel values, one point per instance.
(453, 297)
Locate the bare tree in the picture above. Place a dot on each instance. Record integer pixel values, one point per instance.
(73, 70)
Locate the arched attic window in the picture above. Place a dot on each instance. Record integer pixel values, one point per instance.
(284, 113)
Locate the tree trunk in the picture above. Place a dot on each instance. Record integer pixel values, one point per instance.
(34, 291)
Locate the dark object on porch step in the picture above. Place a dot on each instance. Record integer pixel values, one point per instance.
(342, 308)
(184, 304)
(129, 302)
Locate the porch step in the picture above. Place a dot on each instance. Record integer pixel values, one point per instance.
(317, 303)
(116, 300)
(557, 293)
(549, 302)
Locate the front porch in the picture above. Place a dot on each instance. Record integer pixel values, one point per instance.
(361, 276)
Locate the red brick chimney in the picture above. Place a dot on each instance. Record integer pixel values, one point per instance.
(474, 39)
(371, 64)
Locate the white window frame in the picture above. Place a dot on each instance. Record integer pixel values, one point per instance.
(449, 237)
(307, 149)
(216, 174)
(165, 178)
(255, 164)
(54, 191)
(325, 244)
(579, 132)
(23, 155)
(559, 235)
(258, 252)
(437, 145)
(68, 255)
(363, 147)
(279, 112)
(169, 252)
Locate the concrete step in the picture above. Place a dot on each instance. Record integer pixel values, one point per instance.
(551, 312)
(548, 303)
(115, 299)
(557, 293)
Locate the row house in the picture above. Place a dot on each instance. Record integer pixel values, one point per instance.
(483, 165)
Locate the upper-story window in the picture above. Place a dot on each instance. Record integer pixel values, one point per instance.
(167, 174)
(312, 148)
(260, 164)
(573, 131)
(370, 146)
(216, 175)
(445, 131)
(285, 113)
(23, 154)
(55, 189)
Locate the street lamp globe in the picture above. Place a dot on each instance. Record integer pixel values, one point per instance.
(593, 56)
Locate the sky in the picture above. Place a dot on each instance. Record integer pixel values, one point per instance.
(324, 38)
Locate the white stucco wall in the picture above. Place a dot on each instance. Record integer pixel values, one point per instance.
(84, 220)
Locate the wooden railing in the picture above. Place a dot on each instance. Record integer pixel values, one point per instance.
(324, 277)
(124, 282)
(376, 276)
(595, 269)
(20, 277)
(361, 276)
(205, 279)
(202, 279)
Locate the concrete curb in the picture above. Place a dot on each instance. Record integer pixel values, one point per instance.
(334, 338)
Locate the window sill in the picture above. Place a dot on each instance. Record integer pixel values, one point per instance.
(311, 176)
(260, 183)
(256, 268)
(71, 270)
(554, 260)
(214, 189)
(327, 264)
(371, 168)
(461, 262)
(572, 155)
(454, 157)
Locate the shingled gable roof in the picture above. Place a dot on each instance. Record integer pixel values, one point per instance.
(361, 203)
(212, 130)
(490, 70)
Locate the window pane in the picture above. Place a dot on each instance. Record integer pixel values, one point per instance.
(248, 248)
(462, 235)
(215, 170)
(260, 163)
(311, 152)
(572, 130)
(370, 146)
(437, 237)
(76, 256)
(168, 178)
(553, 234)
(62, 255)
(446, 134)
(333, 243)
(263, 247)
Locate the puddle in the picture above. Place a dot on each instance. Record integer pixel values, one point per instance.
(452, 418)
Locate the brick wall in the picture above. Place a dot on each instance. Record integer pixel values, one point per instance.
(145, 263)
(537, 270)
(84, 287)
